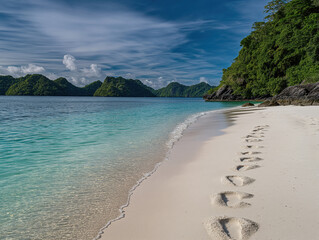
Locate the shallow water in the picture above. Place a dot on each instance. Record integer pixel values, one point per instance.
(67, 163)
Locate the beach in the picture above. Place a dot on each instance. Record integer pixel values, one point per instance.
(254, 180)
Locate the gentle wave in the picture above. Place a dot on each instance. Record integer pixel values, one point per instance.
(175, 136)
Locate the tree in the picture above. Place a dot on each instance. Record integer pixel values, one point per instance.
(272, 7)
(316, 3)
(280, 52)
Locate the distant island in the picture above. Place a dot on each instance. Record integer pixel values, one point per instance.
(279, 53)
(39, 85)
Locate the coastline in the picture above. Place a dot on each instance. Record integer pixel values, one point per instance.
(177, 201)
(100, 151)
(220, 122)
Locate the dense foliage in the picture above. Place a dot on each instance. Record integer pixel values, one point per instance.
(5, 83)
(68, 89)
(39, 85)
(280, 52)
(121, 87)
(176, 89)
(91, 88)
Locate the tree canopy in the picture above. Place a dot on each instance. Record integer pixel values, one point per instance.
(281, 51)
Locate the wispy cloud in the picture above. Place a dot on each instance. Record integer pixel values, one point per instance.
(101, 39)
(21, 70)
(203, 79)
(93, 71)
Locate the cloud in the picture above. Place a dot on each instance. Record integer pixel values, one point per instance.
(148, 82)
(22, 70)
(130, 76)
(203, 79)
(69, 62)
(119, 40)
(157, 83)
(82, 81)
(31, 68)
(52, 76)
(93, 71)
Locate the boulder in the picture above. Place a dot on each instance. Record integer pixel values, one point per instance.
(269, 103)
(248, 104)
(302, 95)
(224, 93)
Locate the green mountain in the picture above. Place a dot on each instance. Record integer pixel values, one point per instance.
(91, 88)
(5, 83)
(68, 89)
(176, 89)
(121, 87)
(39, 85)
(34, 85)
(282, 51)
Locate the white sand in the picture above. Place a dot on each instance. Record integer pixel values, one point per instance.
(250, 183)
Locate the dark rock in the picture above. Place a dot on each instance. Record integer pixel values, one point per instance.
(269, 103)
(302, 95)
(224, 93)
(248, 104)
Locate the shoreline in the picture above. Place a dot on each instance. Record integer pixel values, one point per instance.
(180, 190)
(175, 138)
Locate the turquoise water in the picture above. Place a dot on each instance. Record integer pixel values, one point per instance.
(67, 163)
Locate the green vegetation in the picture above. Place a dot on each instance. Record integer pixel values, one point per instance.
(39, 85)
(176, 89)
(68, 89)
(121, 87)
(5, 83)
(282, 51)
(34, 85)
(91, 88)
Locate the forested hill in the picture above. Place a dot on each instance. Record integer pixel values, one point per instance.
(176, 89)
(282, 51)
(39, 85)
(121, 87)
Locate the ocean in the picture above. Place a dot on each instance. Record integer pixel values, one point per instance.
(67, 164)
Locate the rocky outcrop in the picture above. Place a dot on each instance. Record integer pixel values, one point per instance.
(269, 103)
(302, 95)
(224, 93)
(248, 105)
(307, 94)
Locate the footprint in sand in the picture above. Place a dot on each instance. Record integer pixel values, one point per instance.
(231, 199)
(230, 228)
(237, 181)
(254, 140)
(242, 168)
(258, 131)
(250, 159)
(254, 136)
(252, 147)
(250, 153)
(257, 134)
(262, 126)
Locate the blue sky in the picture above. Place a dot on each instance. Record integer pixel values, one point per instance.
(156, 41)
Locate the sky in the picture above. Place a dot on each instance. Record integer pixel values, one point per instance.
(156, 41)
